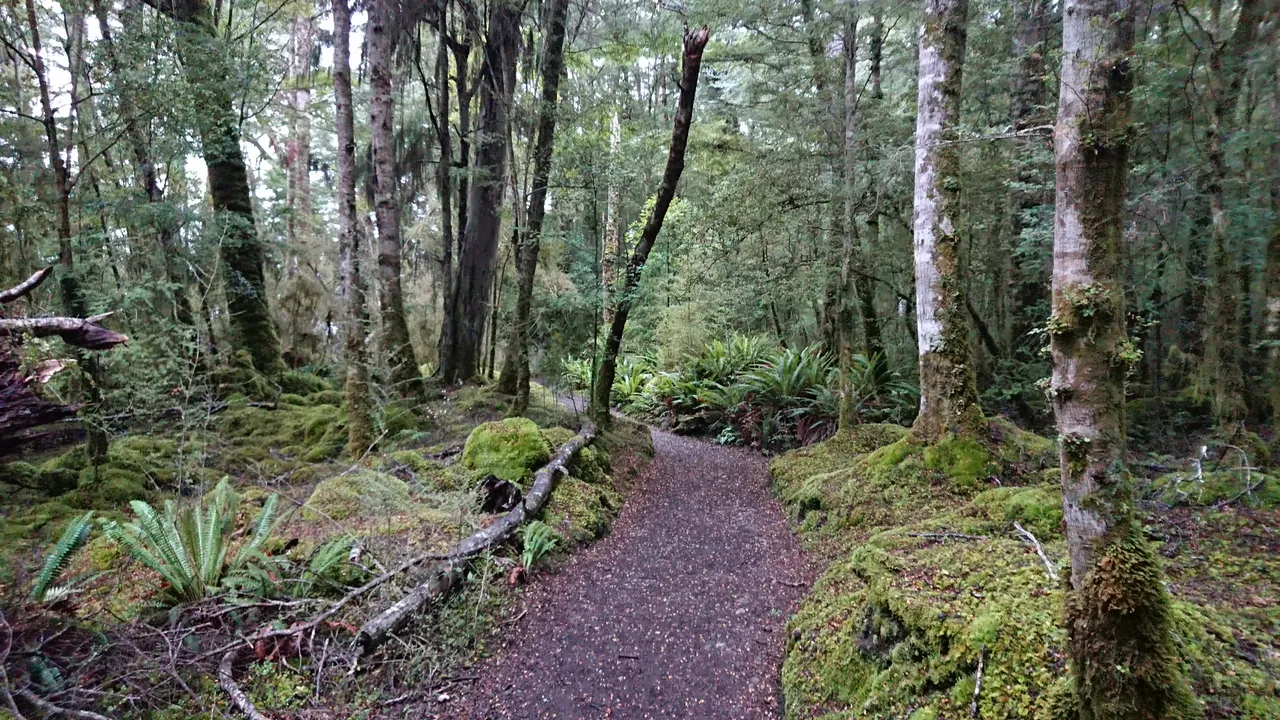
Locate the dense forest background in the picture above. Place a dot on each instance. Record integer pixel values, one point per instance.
(760, 222)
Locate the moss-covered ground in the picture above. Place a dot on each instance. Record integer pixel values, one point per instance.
(928, 578)
(415, 492)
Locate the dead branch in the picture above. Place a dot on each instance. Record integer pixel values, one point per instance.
(1053, 574)
(227, 681)
(445, 574)
(85, 333)
(977, 684)
(948, 536)
(26, 286)
(52, 710)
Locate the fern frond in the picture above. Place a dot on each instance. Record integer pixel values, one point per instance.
(72, 540)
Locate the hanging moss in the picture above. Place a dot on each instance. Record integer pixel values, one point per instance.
(510, 449)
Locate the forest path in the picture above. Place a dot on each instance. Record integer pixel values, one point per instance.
(678, 613)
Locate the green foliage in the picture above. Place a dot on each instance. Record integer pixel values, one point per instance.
(509, 449)
(192, 547)
(537, 540)
(58, 558)
(581, 511)
(328, 569)
(576, 373)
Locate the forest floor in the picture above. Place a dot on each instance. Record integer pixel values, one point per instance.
(679, 612)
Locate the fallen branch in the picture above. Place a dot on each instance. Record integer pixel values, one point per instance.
(444, 575)
(26, 286)
(227, 681)
(948, 536)
(86, 333)
(52, 710)
(977, 684)
(1053, 574)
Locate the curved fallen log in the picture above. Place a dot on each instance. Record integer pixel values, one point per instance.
(445, 574)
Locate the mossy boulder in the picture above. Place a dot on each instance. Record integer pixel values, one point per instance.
(581, 511)
(1037, 508)
(306, 433)
(592, 463)
(428, 473)
(297, 382)
(359, 493)
(510, 449)
(840, 450)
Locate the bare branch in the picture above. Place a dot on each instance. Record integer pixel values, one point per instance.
(85, 333)
(26, 286)
(1053, 573)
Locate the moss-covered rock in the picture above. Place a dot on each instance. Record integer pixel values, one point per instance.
(839, 451)
(360, 493)
(510, 449)
(581, 511)
(297, 382)
(306, 433)
(1037, 508)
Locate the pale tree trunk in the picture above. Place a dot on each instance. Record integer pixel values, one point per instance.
(461, 359)
(948, 390)
(395, 327)
(72, 294)
(205, 63)
(695, 41)
(354, 329)
(300, 224)
(1221, 333)
(444, 171)
(1272, 272)
(527, 251)
(610, 254)
(1123, 663)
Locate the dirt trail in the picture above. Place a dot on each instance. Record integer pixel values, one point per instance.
(678, 613)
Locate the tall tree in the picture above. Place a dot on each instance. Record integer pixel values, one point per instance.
(1271, 336)
(461, 341)
(205, 62)
(695, 41)
(359, 420)
(948, 390)
(515, 371)
(386, 182)
(1123, 662)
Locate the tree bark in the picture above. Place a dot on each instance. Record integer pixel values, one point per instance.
(241, 250)
(527, 250)
(611, 253)
(1221, 332)
(948, 390)
(354, 329)
(1123, 665)
(460, 359)
(444, 169)
(844, 295)
(1271, 328)
(695, 41)
(396, 345)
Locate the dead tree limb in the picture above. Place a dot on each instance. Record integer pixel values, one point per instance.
(85, 333)
(227, 681)
(26, 286)
(445, 574)
(1026, 535)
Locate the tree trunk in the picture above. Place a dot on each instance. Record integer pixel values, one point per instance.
(527, 251)
(1221, 334)
(444, 171)
(844, 294)
(395, 327)
(1271, 335)
(611, 253)
(240, 248)
(354, 328)
(695, 41)
(1123, 664)
(461, 360)
(948, 391)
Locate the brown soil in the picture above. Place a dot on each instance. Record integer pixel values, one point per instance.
(679, 612)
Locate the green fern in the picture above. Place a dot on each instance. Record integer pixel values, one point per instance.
(539, 539)
(72, 540)
(189, 545)
(327, 567)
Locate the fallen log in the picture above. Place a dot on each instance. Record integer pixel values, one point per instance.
(445, 574)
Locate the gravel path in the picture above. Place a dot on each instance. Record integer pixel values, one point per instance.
(678, 613)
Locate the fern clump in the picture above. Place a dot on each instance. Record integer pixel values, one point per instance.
(59, 558)
(191, 546)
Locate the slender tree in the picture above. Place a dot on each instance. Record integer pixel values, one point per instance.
(460, 349)
(1123, 662)
(243, 257)
(695, 41)
(948, 390)
(359, 420)
(515, 371)
(386, 181)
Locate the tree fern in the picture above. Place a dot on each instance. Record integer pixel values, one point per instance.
(72, 540)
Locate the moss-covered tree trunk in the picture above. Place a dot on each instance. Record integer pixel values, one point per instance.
(1272, 272)
(396, 345)
(359, 414)
(695, 41)
(948, 390)
(1222, 348)
(516, 378)
(1122, 661)
(460, 348)
(243, 257)
(850, 253)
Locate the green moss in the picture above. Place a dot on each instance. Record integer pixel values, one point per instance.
(325, 397)
(962, 459)
(509, 449)
(841, 450)
(1253, 489)
(311, 433)
(239, 378)
(395, 419)
(581, 511)
(625, 436)
(22, 474)
(359, 493)
(297, 382)
(1038, 509)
